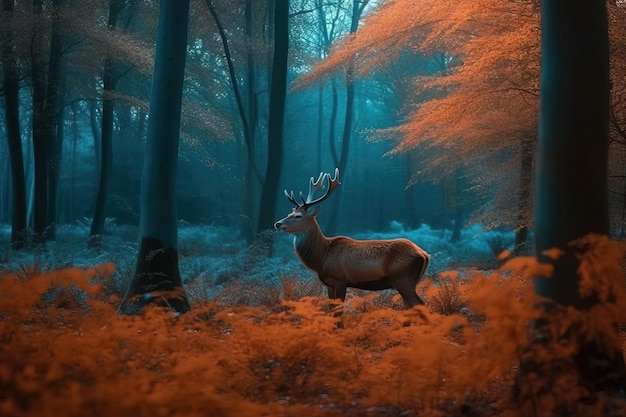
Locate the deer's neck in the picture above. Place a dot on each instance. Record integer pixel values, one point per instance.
(311, 246)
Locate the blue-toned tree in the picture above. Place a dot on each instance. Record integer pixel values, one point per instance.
(575, 337)
(157, 276)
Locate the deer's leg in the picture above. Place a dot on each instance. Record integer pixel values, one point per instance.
(409, 296)
(331, 291)
(340, 290)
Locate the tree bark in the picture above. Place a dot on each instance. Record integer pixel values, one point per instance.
(157, 277)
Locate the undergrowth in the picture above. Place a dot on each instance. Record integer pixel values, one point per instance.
(64, 351)
(253, 348)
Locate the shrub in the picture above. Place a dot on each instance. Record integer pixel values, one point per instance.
(447, 300)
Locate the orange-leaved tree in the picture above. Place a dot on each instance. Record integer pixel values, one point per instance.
(485, 94)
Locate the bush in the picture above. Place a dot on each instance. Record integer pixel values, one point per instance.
(447, 300)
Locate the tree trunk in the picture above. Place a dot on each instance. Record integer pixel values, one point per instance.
(11, 112)
(42, 126)
(157, 277)
(572, 203)
(357, 9)
(249, 180)
(55, 141)
(278, 92)
(106, 138)
(457, 204)
(525, 190)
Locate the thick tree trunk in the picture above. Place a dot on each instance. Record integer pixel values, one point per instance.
(267, 212)
(157, 278)
(572, 197)
(11, 113)
(571, 204)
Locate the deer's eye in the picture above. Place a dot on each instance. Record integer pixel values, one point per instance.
(297, 215)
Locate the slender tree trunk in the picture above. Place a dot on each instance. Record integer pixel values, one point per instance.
(525, 196)
(248, 121)
(267, 212)
(54, 173)
(320, 128)
(41, 126)
(72, 197)
(332, 125)
(357, 9)
(11, 113)
(106, 138)
(96, 132)
(250, 181)
(55, 141)
(457, 204)
(575, 339)
(157, 277)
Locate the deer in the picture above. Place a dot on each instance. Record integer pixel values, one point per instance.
(342, 262)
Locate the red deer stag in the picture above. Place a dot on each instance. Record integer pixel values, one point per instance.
(342, 262)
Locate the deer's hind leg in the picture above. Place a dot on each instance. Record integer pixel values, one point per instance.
(406, 288)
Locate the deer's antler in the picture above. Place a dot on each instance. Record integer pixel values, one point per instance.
(314, 186)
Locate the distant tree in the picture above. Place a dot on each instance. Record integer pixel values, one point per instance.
(157, 277)
(278, 92)
(576, 336)
(10, 88)
(247, 115)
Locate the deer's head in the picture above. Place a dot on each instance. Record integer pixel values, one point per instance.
(303, 214)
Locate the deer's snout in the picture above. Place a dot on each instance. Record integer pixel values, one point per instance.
(279, 226)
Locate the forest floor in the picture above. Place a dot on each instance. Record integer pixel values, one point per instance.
(262, 350)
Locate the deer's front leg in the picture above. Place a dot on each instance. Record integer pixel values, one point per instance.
(340, 290)
(336, 289)
(331, 291)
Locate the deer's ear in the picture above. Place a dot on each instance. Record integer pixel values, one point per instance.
(313, 211)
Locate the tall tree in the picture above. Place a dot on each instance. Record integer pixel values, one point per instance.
(54, 90)
(106, 137)
(576, 337)
(157, 277)
(12, 122)
(42, 123)
(252, 176)
(278, 92)
(341, 160)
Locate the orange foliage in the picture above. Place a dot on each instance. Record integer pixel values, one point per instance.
(72, 355)
(487, 104)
